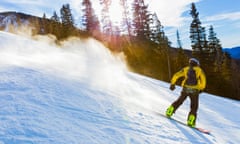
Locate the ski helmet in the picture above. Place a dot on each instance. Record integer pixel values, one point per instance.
(194, 62)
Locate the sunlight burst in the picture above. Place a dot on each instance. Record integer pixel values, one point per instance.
(115, 12)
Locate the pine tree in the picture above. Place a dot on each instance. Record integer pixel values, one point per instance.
(55, 17)
(213, 41)
(179, 43)
(157, 33)
(106, 21)
(67, 21)
(126, 22)
(141, 20)
(55, 25)
(157, 36)
(197, 32)
(181, 57)
(89, 19)
(215, 48)
(43, 25)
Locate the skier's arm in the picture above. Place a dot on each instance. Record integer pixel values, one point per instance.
(203, 81)
(177, 75)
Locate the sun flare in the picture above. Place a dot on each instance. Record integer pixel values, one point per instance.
(115, 12)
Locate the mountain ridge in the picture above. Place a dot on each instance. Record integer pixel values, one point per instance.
(234, 52)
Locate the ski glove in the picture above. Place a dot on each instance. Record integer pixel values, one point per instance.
(172, 87)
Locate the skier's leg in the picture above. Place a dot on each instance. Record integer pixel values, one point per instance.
(192, 116)
(179, 101)
(174, 106)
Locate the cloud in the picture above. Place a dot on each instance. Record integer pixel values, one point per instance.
(171, 15)
(226, 16)
(33, 7)
(170, 11)
(3, 9)
(76, 6)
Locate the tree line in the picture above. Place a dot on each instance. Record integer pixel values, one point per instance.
(148, 50)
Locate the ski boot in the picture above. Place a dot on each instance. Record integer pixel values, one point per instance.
(169, 111)
(191, 120)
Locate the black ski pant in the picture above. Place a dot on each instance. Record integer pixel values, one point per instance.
(193, 95)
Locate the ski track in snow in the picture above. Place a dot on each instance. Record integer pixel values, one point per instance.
(44, 100)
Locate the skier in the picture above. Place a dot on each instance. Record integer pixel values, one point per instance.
(193, 84)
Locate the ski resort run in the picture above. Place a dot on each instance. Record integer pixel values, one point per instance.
(80, 93)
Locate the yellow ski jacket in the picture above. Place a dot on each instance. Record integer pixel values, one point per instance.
(201, 78)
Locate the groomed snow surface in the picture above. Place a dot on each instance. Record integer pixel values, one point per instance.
(79, 93)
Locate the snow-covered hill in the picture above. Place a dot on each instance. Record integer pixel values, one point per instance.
(14, 22)
(81, 94)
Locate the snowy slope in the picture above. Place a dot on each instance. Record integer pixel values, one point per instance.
(79, 93)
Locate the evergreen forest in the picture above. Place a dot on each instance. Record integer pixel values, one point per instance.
(142, 39)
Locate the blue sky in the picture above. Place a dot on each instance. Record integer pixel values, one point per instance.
(224, 15)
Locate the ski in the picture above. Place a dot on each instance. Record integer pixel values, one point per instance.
(202, 130)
